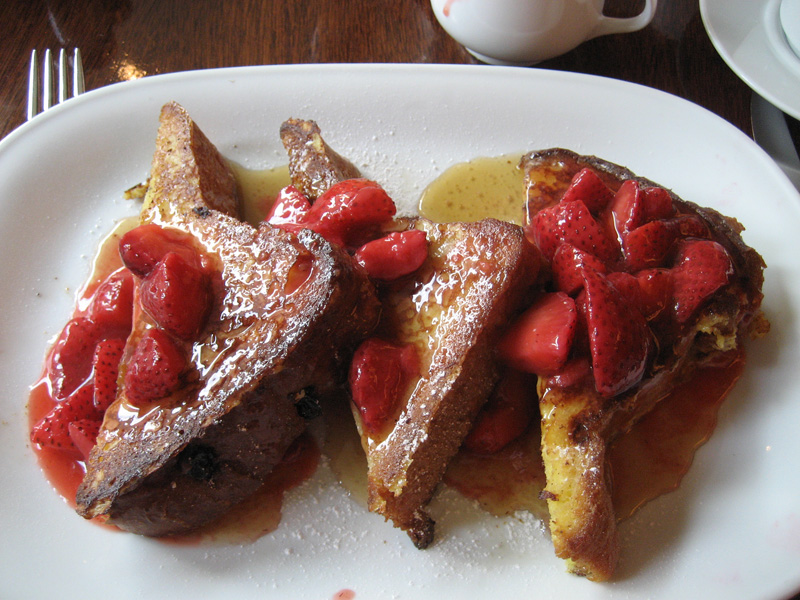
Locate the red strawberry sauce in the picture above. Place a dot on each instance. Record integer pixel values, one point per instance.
(254, 518)
(648, 461)
(64, 471)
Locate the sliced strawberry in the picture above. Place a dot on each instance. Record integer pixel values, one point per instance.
(567, 266)
(505, 416)
(701, 268)
(83, 434)
(655, 291)
(648, 245)
(573, 373)
(111, 307)
(539, 341)
(626, 209)
(628, 286)
(379, 375)
(587, 187)
(689, 226)
(70, 362)
(290, 209)
(570, 222)
(394, 255)
(350, 212)
(155, 368)
(657, 204)
(105, 364)
(52, 431)
(177, 295)
(619, 338)
(143, 247)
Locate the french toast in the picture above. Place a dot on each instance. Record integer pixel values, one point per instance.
(313, 165)
(712, 305)
(285, 311)
(451, 312)
(433, 360)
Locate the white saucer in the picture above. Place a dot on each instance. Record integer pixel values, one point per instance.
(750, 38)
(790, 21)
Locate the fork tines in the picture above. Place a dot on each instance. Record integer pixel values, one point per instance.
(55, 80)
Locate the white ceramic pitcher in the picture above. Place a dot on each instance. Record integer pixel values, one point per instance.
(524, 32)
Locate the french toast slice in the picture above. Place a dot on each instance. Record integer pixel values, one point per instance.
(313, 165)
(580, 420)
(451, 311)
(286, 311)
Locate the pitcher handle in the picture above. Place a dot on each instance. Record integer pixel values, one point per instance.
(609, 25)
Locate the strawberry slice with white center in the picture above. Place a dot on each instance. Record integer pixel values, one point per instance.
(619, 339)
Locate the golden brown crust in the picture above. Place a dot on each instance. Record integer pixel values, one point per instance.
(313, 165)
(170, 467)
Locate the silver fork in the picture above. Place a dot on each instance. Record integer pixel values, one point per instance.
(54, 80)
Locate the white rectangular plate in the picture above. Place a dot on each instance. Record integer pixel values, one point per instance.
(731, 531)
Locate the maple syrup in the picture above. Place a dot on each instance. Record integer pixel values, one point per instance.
(258, 189)
(474, 190)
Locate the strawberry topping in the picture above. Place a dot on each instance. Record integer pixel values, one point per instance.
(289, 210)
(83, 434)
(667, 268)
(394, 255)
(111, 308)
(568, 263)
(155, 368)
(570, 222)
(53, 429)
(627, 209)
(70, 362)
(177, 295)
(505, 415)
(587, 187)
(701, 268)
(379, 375)
(539, 341)
(143, 247)
(350, 212)
(619, 338)
(107, 355)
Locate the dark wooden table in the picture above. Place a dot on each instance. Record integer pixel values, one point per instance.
(124, 39)
(121, 39)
